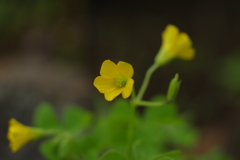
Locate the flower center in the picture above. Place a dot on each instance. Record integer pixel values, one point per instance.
(120, 81)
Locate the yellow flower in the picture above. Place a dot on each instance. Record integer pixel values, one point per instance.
(174, 45)
(19, 134)
(115, 79)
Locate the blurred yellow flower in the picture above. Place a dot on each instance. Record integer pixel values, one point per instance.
(115, 79)
(174, 45)
(19, 134)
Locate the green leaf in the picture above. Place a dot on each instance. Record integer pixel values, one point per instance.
(101, 134)
(165, 158)
(118, 123)
(57, 148)
(45, 117)
(167, 155)
(113, 155)
(49, 148)
(110, 130)
(88, 147)
(143, 150)
(183, 135)
(161, 114)
(167, 126)
(64, 148)
(75, 119)
(121, 108)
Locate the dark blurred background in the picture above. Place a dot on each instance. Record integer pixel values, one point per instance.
(51, 50)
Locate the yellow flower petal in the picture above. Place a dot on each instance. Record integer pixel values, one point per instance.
(115, 79)
(18, 135)
(128, 88)
(184, 48)
(104, 85)
(109, 69)
(183, 41)
(170, 35)
(174, 45)
(111, 95)
(125, 69)
(187, 54)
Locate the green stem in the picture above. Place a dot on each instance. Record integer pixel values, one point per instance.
(146, 81)
(151, 104)
(51, 132)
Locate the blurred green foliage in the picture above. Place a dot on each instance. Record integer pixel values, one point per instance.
(228, 74)
(79, 134)
(157, 130)
(110, 155)
(45, 117)
(74, 121)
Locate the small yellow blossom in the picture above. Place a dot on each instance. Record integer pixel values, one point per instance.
(115, 79)
(174, 45)
(19, 134)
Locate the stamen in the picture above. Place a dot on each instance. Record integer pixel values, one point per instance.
(120, 81)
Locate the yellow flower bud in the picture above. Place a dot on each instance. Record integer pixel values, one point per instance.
(173, 88)
(19, 134)
(174, 45)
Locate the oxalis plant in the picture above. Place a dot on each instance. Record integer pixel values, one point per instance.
(121, 133)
